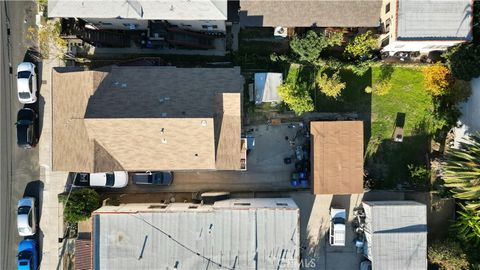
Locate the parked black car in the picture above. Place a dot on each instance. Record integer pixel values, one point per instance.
(153, 178)
(27, 128)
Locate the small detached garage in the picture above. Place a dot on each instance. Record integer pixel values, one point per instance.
(336, 157)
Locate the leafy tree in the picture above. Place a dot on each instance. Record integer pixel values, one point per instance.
(297, 97)
(459, 91)
(467, 225)
(461, 171)
(312, 44)
(464, 60)
(437, 79)
(331, 87)
(448, 255)
(362, 46)
(80, 204)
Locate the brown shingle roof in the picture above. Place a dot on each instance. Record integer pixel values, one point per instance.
(337, 157)
(147, 118)
(306, 13)
(83, 254)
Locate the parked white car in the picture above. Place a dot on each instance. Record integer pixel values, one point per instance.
(337, 226)
(116, 179)
(26, 83)
(26, 217)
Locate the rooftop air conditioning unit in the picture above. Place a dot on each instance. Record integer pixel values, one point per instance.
(280, 31)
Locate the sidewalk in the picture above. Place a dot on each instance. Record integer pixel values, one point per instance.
(51, 222)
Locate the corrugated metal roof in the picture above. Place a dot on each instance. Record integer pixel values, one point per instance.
(140, 9)
(434, 20)
(337, 158)
(396, 233)
(262, 235)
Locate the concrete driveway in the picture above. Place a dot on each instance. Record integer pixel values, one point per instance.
(470, 119)
(266, 170)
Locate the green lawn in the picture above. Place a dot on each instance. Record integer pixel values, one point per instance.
(385, 160)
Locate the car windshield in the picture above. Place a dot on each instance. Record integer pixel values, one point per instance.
(23, 210)
(23, 74)
(110, 180)
(24, 122)
(338, 220)
(23, 95)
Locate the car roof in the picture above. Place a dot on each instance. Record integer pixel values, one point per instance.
(26, 244)
(98, 179)
(25, 66)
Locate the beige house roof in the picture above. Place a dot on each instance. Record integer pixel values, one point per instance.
(307, 13)
(337, 157)
(147, 118)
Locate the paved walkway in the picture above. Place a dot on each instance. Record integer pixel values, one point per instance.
(51, 222)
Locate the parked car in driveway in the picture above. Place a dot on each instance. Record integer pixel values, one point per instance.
(27, 120)
(116, 179)
(153, 178)
(26, 83)
(26, 217)
(337, 227)
(27, 257)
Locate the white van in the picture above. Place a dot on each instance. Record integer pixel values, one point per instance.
(337, 227)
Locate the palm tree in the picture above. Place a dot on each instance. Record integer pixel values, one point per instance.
(461, 171)
(467, 225)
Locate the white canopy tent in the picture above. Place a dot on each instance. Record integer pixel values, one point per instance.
(266, 87)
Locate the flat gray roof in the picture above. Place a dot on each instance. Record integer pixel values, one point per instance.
(232, 234)
(396, 234)
(434, 20)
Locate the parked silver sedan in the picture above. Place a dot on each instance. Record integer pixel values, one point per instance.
(26, 217)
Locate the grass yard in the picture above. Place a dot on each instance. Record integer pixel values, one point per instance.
(385, 160)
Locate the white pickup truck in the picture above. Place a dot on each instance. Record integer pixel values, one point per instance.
(337, 227)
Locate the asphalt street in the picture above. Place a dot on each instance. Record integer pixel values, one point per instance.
(19, 169)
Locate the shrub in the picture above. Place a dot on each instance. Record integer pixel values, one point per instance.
(467, 225)
(362, 46)
(80, 204)
(419, 175)
(437, 79)
(297, 97)
(382, 88)
(448, 255)
(463, 61)
(459, 91)
(331, 87)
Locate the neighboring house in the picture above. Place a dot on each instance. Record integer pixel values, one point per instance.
(336, 157)
(310, 13)
(230, 234)
(396, 235)
(469, 122)
(195, 15)
(147, 118)
(425, 25)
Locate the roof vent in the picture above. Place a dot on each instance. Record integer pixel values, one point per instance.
(171, 8)
(162, 130)
(164, 140)
(204, 123)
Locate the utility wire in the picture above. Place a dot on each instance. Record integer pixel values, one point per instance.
(138, 216)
